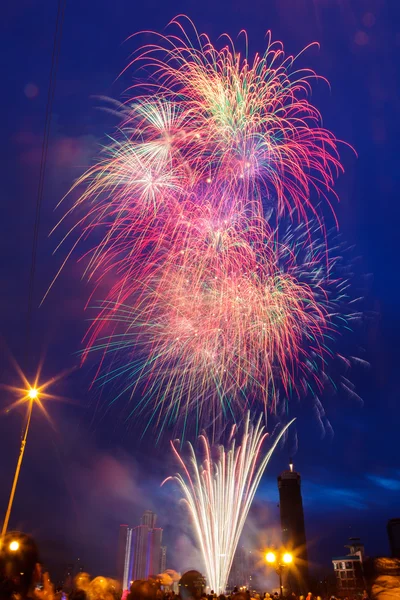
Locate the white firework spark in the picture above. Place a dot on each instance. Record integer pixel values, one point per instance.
(219, 492)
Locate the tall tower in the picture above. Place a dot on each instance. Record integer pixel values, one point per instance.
(146, 547)
(140, 550)
(149, 518)
(293, 528)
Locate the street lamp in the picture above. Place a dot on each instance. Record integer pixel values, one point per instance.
(280, 561)
(28, 394)
(14, 546)
(287, 558)
(270, 557)
(32, 395)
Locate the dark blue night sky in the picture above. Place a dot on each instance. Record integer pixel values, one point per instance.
(85, 476)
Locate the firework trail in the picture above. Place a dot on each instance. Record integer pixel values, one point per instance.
(218, 493)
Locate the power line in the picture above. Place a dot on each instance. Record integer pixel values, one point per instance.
(45, 144)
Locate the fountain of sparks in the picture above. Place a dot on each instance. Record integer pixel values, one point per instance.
(219, 491)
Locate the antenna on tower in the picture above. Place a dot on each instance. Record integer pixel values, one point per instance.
(291, 465)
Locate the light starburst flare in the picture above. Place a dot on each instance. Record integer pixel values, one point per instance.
(35, 391)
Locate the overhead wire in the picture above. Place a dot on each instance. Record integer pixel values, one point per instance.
(43, 162)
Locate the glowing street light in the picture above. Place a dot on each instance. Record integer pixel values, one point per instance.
(30, 395)
(270, 557)
(14, 546)
(280, 561)
(33, 394)
(287, 558)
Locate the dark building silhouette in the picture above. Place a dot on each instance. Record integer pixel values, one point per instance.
(393, 529)
(70, 572)
(293, 529)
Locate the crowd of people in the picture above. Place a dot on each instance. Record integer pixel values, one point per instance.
(22, 578)
(246, 595)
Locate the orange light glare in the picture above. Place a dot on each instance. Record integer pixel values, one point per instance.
(287, 558)
(270, 557)
(14, 546)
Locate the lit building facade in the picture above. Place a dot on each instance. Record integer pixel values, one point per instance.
(149, 519)
(293, 529)
(348, 570)
(139, 550)
(123, 554)
(154, 551)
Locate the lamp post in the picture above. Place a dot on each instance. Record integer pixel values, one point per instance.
(279, 561)
(32, 395)
(28, 394)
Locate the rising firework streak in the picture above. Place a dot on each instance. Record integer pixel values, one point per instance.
(218, 494)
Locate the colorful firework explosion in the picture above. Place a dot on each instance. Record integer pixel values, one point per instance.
(212, 342)
(208, 309)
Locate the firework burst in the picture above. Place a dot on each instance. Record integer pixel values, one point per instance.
(213, 338)
(209, 310)
(218, 493)
(209, 337)
(253, 122)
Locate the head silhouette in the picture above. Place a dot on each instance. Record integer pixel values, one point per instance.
(19, 564)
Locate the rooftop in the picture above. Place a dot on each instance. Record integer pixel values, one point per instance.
(347, 558)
